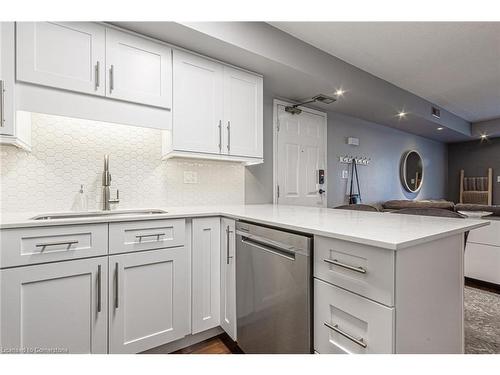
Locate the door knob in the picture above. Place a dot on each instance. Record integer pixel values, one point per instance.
(321, 191)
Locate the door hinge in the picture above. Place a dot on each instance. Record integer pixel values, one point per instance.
(277, 126)
(278, 191)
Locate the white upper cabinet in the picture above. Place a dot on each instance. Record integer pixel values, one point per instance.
(66, 55)
(198, 106)
(15, 127)
(217, 111)
(138, 70)
(243, 118)
(7, 69)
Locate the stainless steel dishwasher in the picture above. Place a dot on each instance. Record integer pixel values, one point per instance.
(273, 290)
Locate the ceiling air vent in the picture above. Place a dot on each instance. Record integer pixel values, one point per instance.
(436, 112)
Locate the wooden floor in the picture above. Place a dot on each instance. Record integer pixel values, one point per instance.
(221, 344)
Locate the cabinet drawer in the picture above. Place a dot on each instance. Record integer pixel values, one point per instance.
(49, 244)
(488, 235)
(362, 269)
(347, 323)
(145, 235)
(482, 262)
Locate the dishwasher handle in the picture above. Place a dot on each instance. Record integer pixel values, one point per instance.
(290, 255)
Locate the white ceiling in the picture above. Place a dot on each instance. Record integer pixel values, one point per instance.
(455, 65)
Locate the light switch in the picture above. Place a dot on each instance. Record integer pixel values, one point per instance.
(345, 174)
(190, 177)
(498, 178)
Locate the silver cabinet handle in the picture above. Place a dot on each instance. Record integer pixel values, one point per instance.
(228, 137)
(97, 78)
(335, 262)
(335, 327)
(157, 235)
(44, 245)
(99, 288)
(220, 136)
(116, 286)
(111, 78)
(228, 232)
(2, 104)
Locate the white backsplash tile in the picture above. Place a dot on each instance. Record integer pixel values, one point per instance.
(68, 152)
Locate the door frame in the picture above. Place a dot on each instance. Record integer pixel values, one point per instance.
(284, 102)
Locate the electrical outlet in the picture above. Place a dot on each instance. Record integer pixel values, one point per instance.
(345, 174)
(190, 177)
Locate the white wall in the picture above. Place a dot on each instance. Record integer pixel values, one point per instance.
(68, 152)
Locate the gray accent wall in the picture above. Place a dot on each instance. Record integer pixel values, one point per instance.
(475, 157)
(379, 181)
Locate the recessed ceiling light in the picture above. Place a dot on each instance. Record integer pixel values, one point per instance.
(440, 128)
(339, 92)
(402, 114)
(484, 136)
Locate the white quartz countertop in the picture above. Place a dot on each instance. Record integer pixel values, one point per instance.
(386, 230)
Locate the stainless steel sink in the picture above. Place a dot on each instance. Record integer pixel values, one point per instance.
(75, 215)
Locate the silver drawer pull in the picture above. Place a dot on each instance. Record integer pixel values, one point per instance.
(157, 235)
(360, 341)
(335, 262)
(44, 245)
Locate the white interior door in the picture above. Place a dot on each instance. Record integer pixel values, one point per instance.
(300, 154)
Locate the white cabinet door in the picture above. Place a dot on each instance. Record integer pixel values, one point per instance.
(228, 277)
(138, 70)
(56, 307)
(206, 274)
(198, 104)
(7, 73)
(66, 55)
(243, 118)
(148, 299)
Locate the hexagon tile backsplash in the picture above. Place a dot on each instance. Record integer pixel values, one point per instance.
(68, 152)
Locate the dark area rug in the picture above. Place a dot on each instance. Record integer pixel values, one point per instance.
(482, 321)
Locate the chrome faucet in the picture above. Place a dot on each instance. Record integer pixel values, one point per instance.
(106, 182)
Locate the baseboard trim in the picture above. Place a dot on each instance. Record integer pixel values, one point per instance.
(185, 342)
(484, 285)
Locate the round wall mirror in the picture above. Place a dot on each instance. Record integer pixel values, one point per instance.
(412, 171)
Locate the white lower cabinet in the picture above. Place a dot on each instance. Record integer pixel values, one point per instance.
(206, 258)
(148, 299)
(347, 323)
(228, 277)
(57, 307)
